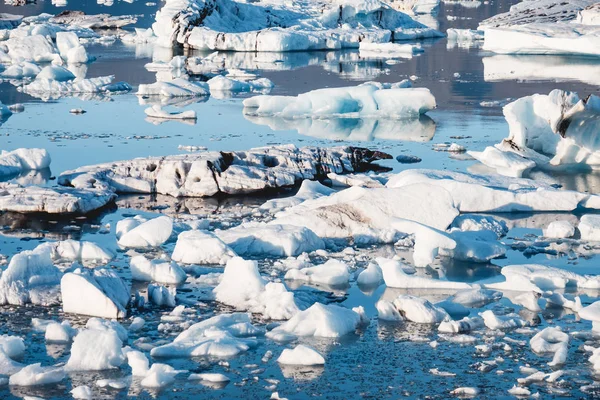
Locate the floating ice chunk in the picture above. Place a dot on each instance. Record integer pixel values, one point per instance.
(465, 325)
(464, 38)
(542, 38)
(591, 312)
(76, 251)
(51, 88)
(388, 50)
(19, 160)
(95, 350)
(504, 162)
(20, 70)
(156, 111)
(35, 48)
(557, 299)
(366, 100)
(107, 325)
(386, 311)
(559, 229)
(533, 277)
(475, 246)
(210, 377)
(560, 125)
(226, 84)
(475, 298)
(201, 247)
(551, 340)
(300, 355)
(208, 173)
(242, 287)
(99, 293)
(465, 391)
(35, 374)
(12, 346)
(529, 300)
(28, 199)
(59, 333)
(395, 277)
(419, 310)
(480, 223)
(332, 273)
(589, 227)
(493, 321)
(30, 278)
(219, 336)
(178, 87)
(82, 392)
(353, 180)
(137, 324)
(262, 27)
(70, 49)
(308, 190)
(371, 215)
(10, 21)
(519, 391)
(320, 321)
(252, 239)
(370, 276)
(138, 362)
(151, 233)
(93, 21)
(162, 296)
(479, 193)
(141, 36)
(156, 270)
(159, 375)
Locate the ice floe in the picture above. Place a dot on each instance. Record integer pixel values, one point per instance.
(366, 100)
(395, 277)
(537, 278)
(479, 193)
(208, 173)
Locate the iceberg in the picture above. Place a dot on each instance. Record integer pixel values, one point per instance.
(208, 173)
(229, 25)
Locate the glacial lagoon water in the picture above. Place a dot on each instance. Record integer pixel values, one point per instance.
(382, 360)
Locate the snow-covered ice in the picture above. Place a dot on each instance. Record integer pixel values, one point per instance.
(300, 355)
(201, 247)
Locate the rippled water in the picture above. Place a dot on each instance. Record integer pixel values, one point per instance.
(383, 361)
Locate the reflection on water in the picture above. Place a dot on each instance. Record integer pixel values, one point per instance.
(354, 129)
(541, 68)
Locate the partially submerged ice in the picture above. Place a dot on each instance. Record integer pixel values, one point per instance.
(242, 287)
(291, 26)
(99, 293)
(208, 173)
(365, 100)
(543, 27)
(493, 193)
(19, 160)
(554, 130)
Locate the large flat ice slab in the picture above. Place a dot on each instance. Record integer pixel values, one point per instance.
(208, 173)
(282, 26)
(60, 200)
(483, 193)
(366, 100)
(536, 11)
